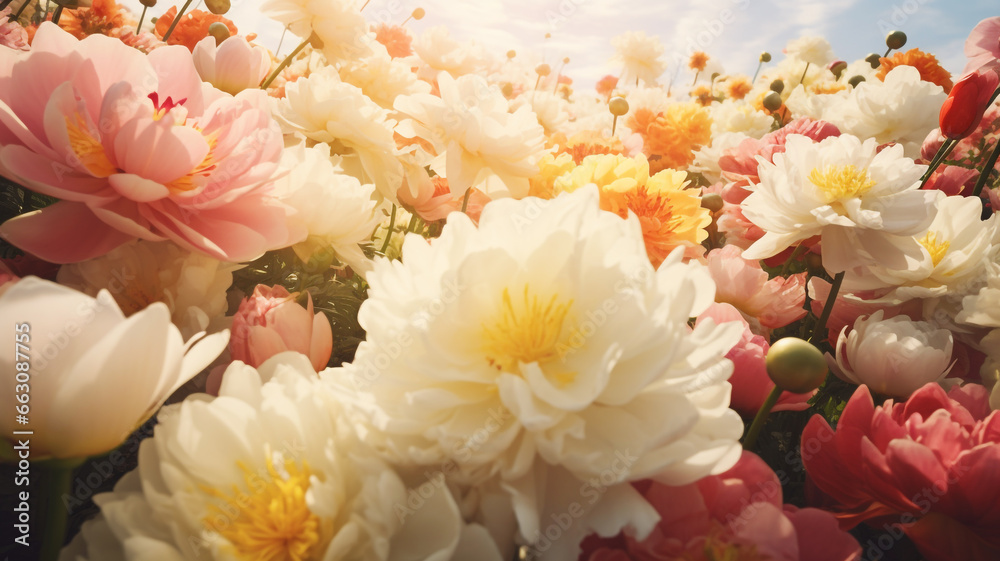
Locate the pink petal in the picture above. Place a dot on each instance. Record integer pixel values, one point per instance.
(52, 178)
(137, 188)
(64, 232)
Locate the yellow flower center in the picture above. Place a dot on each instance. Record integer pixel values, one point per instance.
(273, 521)
(937, 249)
(841, 182)
(87, 147)
(527, 330)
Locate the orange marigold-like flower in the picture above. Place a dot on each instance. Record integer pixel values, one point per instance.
(698, 61)
(192, 28)
(101, 18)
(671, 216)
(821, 88)
(606, 85)
(395, 38)
(737, 87)
(670, 138)
(589, 143)
(927, 64)
(703, 95)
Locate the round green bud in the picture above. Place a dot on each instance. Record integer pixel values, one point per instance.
(712, 202)
(777, 86)
(618, 106)
(765, 57)
(874, 59)
(895, 40)
(772, 101)
(855, 80)
(218, 7)
(219, 31)
(795, 365)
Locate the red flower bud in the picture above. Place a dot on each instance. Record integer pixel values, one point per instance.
(967, 102)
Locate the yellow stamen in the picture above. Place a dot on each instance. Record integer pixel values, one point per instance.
(272, 522)
(841, 182)
(87, 147)
(936, 249)
(528, 331)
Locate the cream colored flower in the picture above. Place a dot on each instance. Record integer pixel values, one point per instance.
(382, 78)
(901, 109)
(866, 206)
(737, 116)
(339, 24)
(542, 349)
(95, 375)
(439, 51)
(193, 286)
(474, 134)
(339, 212)
(270, 469)
(893, 357)
(641, 56)
(812, 49)
(325, 109)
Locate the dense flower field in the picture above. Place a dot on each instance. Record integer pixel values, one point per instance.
(394, 297)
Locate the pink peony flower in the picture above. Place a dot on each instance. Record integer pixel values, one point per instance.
(735, 515)
(12, 35)
(742, 283)
(271, 322)
(927, 466)
(750, 381)
(983, 44)
(233, 66)
(135, 146)
(437, 205)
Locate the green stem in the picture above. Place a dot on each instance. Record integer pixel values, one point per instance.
(760, 64)
(799, 250)
(802, 80)
(288, 60)
(57, 479)
(946, 147)
(141, 17)
(758, 421)
(413, 222)
(177, 18)
(20, 11)
(987, 170)
(828, 306)
(57, 13)
(887, 51)
(695, 78)
(388, 232)
(465, 201)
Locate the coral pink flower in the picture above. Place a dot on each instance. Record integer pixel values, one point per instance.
(928, 465)
(742, 283)
(968, 101)
(395, 38)
(735, 515)
(437, 205)
(135, 146)
(271, 322)
(233, 66)
(12, 35)
(983, 44)
(750, 381)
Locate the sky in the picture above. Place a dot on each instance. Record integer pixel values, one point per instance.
(732, 31)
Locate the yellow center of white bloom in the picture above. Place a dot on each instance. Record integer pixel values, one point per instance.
(272, 522)
(530, 329)
(937, 249)
(841, 182)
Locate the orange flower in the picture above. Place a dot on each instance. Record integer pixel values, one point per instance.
(192, 28)
(672, 137)
(926, 63)
(101, 18)
(589, 143)
(821, 88)
(703, 95)
(737, 87)
(698, 61)
(671, 216)
(606, 85)
(395, 38)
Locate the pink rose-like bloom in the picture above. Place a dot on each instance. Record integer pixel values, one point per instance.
(233, 66)
(439, 203)
(928, 464)
(741, 282)
(12, 35)
(750, 382)
(271, 322)
(983, 44)
(735, 515)
(135, 146)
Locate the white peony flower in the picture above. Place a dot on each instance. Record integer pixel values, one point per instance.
(894, 356)
(982, 306)
(94, 374)
(812, 49)
(956, 246)
(542, 349)
(551, 110)
(138, 273)
(267, 470)
(441, 53)
(739, 116)
(865, 205)
(474, 134)
(339, 24)
(339, 212)
(325, 109)
(233, 66)
(902, 109)
(641, 56)
(382, 78)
